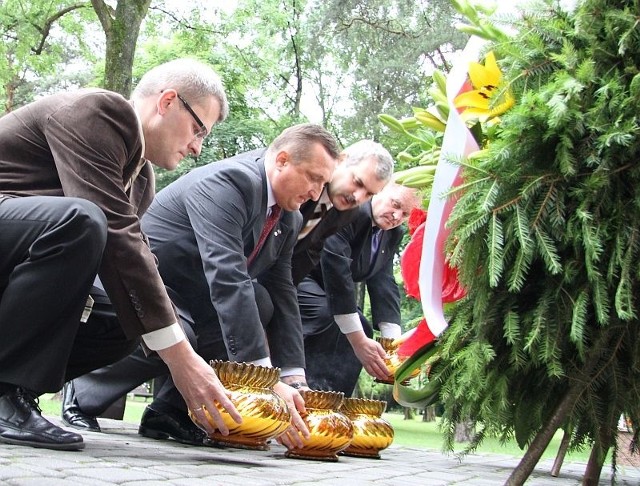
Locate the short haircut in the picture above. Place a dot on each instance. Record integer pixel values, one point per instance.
(366, 149)
(297, 138)
(406, 195)
(194, 80)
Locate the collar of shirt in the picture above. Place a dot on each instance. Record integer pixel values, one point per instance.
(271, 199)
(324, 198)
(139, 126)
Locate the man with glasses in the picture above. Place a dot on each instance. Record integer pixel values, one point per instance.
(75, 177)
(202, 129)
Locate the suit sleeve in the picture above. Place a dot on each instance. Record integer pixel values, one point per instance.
(384, 294)
(219, 207)
(335, 263)
(92, 141)
(284, 334)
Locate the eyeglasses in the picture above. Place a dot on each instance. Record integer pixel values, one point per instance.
(202, 130)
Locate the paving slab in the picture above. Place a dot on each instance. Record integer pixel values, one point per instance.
(119, 456)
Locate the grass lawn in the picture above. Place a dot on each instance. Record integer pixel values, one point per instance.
(416, 433)
(409, 433)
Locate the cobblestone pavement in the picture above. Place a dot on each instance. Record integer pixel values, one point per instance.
(119, 456)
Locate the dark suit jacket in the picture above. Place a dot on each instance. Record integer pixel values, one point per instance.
(345, 260)
(306, 254)
(202, 227)
(87, 144)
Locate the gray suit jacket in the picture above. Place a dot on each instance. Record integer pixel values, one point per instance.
(87, 144)
(202, 227)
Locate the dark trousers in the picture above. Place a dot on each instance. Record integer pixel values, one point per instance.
(331, 363)
(50, 250)
(97, 390)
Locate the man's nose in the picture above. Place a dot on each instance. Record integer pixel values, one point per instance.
(195, 146)
(315, 191)
(361, 195)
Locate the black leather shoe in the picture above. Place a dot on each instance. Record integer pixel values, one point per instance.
(71, 413)
(170, 425)
(21, 423)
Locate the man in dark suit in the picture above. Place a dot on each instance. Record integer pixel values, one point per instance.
(75, 176)
(364, 169)
(241, 304)
(337, 337)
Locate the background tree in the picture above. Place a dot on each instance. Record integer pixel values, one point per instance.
(121, 28)
(37, 39)
(382, 52)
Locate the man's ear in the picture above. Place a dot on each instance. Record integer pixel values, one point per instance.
(166, 98)
(282, 159)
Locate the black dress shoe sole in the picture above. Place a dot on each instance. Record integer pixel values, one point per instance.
(81, 427)
(161, 435)
(74, 446)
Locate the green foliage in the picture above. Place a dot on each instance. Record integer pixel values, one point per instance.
(382, 50)
(37, 40)
(545, 235)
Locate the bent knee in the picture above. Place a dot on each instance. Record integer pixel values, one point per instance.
(89, 219)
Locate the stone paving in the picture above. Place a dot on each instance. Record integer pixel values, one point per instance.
(119, 456)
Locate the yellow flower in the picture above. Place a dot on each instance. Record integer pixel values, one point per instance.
(478, 103)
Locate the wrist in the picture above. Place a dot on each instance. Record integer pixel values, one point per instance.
(356, 337)
(298, 384)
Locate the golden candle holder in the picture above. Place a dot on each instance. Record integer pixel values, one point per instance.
(331, 431)
(264, 413)
(371, 433)
(393, 361)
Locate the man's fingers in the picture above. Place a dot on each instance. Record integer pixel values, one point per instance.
(299, 424)
(291, 438)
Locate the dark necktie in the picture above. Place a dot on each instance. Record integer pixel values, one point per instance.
(318, 213)
(375, 244)
(271, 221)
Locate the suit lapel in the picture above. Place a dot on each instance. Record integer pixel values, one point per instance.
(262, 212)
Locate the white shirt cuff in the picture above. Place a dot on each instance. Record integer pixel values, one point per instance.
(262, 362)
(164, 338)
(348, 322)
(292, 372)
(390, 330)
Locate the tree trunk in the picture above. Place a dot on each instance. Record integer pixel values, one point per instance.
(429, 414)
(594, 465)
(464, 432)
(528, 462)
(560, 415)
(606, 438)
(360, 287)
(121, 28)
(408, 413)
(562, 451)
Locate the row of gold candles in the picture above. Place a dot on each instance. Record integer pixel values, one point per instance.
(349, 426)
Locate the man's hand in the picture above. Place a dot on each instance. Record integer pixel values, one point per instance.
(199, 386)
(370, 353)
(291, 437)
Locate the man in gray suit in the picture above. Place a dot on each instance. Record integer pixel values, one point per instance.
(75, 176)
(241, 304)
(337, 337)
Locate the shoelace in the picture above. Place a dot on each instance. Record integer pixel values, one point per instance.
(30, 398)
